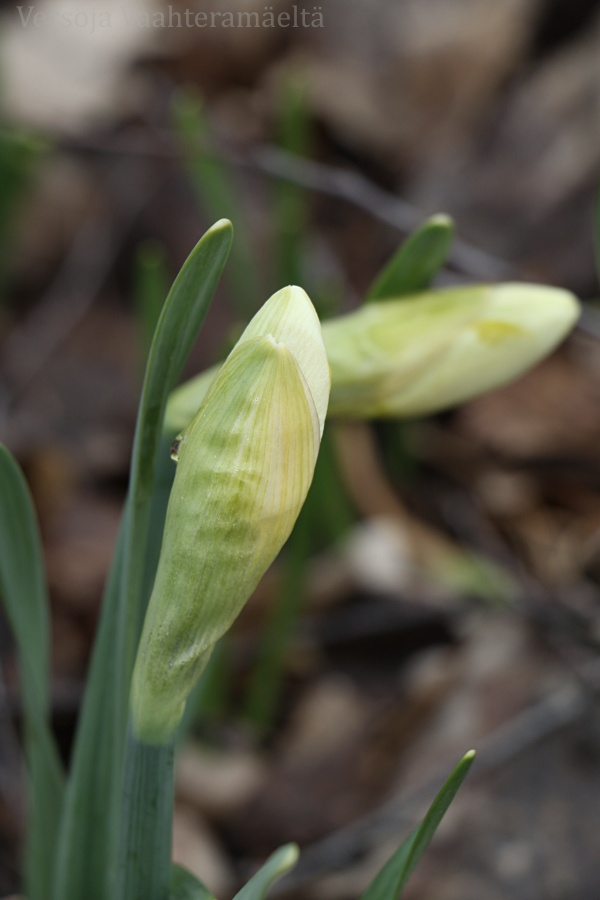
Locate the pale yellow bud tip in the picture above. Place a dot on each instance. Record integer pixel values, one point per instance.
(290, 318)
(245, 465)
(417, 355)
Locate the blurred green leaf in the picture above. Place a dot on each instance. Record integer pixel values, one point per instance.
(185, 886)
(19, 155)
(277, 865)
(326, 517)
(268, 674)
(23, 592)
(390, 882)
(214, 185)
(151, 288)
(89, 841)
(414, 266)
(291, 205)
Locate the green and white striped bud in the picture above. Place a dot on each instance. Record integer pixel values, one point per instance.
(245, 464)
(418, 355)
(421, 354)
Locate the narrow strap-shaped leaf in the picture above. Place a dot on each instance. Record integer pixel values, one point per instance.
(214, 185)
(22, 583)
(326, 515)
(20, 153)
(185, 886)
(277, 865)
(89, 839)
(291, 200)
(87, 842)
(266, 683)
(414, 266)
(151, 285)
(177, 329)
(390, 882)
(23, 592)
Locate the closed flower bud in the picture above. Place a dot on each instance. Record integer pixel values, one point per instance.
(245, 464)
(417, 355)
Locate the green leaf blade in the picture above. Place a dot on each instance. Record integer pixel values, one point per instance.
(151, 286)
(277, 865)
(177, 329)
(185, 886)
(23, 592)
(391, 880)
(414, 266)
(86, 842)
(214, 185)
(291, 200)
(89, 838)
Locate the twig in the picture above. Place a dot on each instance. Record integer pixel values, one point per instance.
(332, 181)
(505, 744)
(65, 304)
(354, 188)
(32, 344)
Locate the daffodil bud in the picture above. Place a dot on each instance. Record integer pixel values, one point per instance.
(417, 355)
(245, 464)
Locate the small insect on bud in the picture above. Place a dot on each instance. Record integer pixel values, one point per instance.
(245, 464)
(417, 355)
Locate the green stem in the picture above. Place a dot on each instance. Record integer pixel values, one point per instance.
(326, 516)
(146, 824)
(267, 679)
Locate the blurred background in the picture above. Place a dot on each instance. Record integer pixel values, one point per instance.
(449, 597)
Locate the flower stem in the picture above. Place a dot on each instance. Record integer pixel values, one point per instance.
(146, 824)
